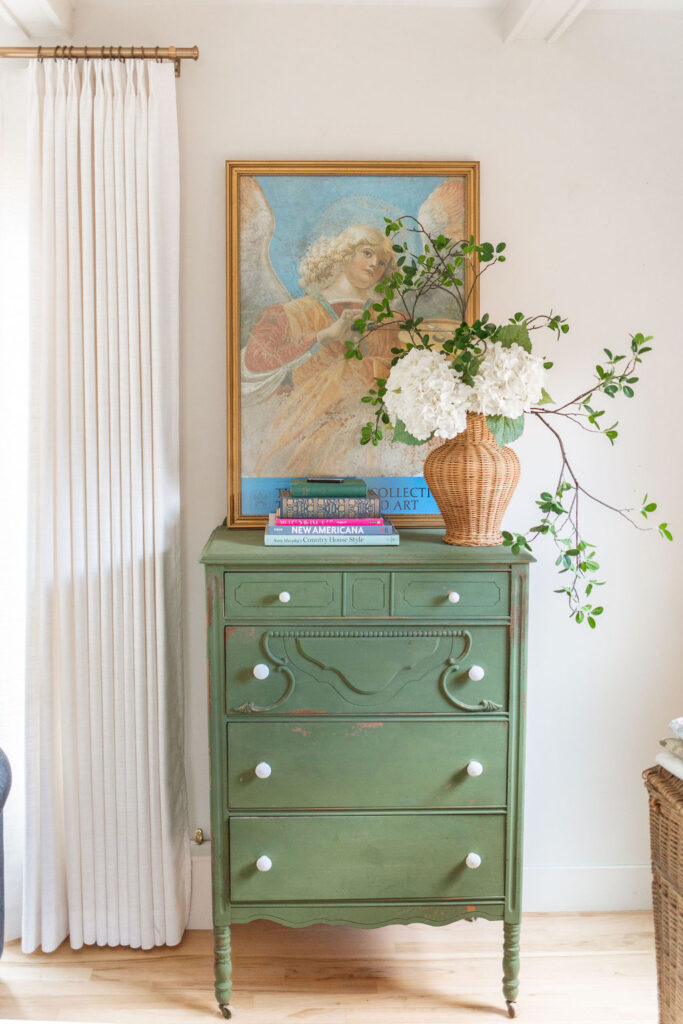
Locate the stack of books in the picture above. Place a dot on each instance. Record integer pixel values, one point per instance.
(330, 510)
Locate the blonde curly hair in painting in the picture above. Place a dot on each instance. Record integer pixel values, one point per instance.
(327, 257)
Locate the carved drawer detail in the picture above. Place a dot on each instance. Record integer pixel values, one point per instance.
(293, 670)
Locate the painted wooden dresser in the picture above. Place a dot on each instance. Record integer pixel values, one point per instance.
(366, 734)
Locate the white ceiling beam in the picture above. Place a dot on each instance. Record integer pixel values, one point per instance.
(41, 19)
(10, 18)
(567, 17)
(60, 13)
(538, 19)
(515, 17)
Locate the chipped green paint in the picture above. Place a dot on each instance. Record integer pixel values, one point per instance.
(372, 856)
(383, 764)
(349, 670)
(368, 720)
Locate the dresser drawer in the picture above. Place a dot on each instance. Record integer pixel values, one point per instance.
(362, 764)
(373, 856)
(390, 669)
(450, 595)
(282, 595)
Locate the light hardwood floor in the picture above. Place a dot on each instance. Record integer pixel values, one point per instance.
(576, 969)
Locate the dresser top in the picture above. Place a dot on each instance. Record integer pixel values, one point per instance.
(425, 548)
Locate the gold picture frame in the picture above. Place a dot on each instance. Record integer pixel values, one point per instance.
(281, 216)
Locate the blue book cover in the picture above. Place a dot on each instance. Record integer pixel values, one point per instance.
(389, 539)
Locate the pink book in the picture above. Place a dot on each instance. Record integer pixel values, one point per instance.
(328, 522)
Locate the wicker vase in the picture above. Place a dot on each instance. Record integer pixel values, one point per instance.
(472, 483)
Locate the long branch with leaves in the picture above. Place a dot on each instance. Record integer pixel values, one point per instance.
(426, 264)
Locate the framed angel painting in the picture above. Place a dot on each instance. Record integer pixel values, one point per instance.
(306, 247)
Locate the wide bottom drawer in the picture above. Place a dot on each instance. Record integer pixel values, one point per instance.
(373, 856)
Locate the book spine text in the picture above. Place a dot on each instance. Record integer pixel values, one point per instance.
(328, 522)
(333, 508)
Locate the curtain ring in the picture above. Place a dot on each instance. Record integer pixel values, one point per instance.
(85, 53)
(157, 58)
(102, 52)
(121, 57)
(40, 55)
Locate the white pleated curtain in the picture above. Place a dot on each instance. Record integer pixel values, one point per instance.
(107, 854)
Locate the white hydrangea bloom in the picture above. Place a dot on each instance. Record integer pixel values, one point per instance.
(508, 383)
(425, 393)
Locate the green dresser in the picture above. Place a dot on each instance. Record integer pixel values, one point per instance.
(366, 734)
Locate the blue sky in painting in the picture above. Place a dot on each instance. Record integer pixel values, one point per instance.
(397, 494)
(308, 207)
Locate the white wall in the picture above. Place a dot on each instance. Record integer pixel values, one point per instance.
(581, 151)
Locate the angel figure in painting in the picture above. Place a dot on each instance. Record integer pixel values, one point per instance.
(297, 347)
(301, 406)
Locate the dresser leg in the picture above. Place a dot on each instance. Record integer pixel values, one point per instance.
(223, 968)
(511, 966)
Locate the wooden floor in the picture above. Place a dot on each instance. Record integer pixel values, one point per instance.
(578, 968)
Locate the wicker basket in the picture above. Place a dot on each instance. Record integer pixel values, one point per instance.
(666, 837)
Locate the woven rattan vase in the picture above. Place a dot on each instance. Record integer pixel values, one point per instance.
(472, 483)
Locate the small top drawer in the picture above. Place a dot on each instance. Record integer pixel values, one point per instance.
(455, 595)
(282, 595)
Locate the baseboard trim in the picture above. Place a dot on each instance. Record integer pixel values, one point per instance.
(612, 887)
(200, 904)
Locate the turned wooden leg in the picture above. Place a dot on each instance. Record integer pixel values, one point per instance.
(223, 968)
(511, 966)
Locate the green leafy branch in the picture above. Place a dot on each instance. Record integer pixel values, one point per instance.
(372, 431)
(575, 555)
(456, 267)
(611, 379)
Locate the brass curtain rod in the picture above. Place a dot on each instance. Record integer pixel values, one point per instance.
(158, 53)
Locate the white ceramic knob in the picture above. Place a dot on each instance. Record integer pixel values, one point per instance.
(261, 671)
(263, 770)
(265, 863)
(473, 860)
(285, 597)
(453, 596)
(476, 673)
(473, 768)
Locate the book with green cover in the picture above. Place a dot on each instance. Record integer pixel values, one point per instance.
(328, 487)
(329, 508)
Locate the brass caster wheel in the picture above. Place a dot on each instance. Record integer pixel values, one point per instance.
(512, 1008)
(225, 1010)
